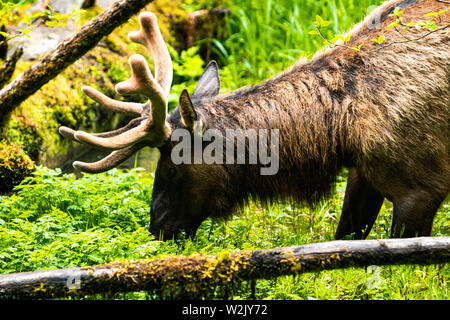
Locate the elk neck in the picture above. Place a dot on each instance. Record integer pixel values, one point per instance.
(305, 104)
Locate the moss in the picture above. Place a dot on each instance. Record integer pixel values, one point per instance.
(23, 132)
(197, 276)
(15, 165)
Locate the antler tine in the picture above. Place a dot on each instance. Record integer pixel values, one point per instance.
(149, 129)
(125, 139)
(130, 108)
(150, 36)
(142, 82)
(112, 160)
(70, 133)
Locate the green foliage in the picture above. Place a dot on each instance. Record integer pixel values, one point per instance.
(58, 221)
(187, 68)
(268, 36)
(193, 5)
(117, 73)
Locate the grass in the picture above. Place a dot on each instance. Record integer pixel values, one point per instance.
(266, 37)
(58, 221)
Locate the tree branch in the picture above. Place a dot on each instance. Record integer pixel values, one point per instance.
(198, 275)
(383, 46)
(68, 51)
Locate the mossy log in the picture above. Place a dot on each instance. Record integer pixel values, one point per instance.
(67, 52)
(198, 275)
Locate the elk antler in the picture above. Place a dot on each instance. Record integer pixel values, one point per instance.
(150, 127)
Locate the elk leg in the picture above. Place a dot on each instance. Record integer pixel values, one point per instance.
(414, 213)
(362, 203)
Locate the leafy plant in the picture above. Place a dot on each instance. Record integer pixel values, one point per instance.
(187, 68)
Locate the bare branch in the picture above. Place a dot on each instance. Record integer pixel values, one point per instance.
(382, 46)
(411, 40)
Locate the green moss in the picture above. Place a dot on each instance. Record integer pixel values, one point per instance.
(22, 131)
(15, 165)
(179, 277)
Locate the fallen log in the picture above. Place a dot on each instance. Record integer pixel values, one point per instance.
(68, 51)
(197, 275)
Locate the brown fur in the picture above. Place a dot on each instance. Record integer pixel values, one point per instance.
(385, 115)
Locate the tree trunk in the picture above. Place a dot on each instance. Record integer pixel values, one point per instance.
(3, 45)
(67, 52)
(198, 275)
(8, 67)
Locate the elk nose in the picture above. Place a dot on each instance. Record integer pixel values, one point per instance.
(156, 232)
(161, 234)
(157, 227)
(158, 218)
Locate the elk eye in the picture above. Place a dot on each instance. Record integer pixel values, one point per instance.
(171, 173)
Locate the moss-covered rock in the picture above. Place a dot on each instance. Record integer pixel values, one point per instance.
(15, 165)
(22, 131)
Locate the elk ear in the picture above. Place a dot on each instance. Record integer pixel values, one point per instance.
(187, 110)
(208, 85)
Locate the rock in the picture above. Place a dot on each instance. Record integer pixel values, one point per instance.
(15, 165)
(104, 3)
(65, 6)
(42, 39)
(38, 41)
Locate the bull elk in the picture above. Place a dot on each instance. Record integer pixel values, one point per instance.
(384, 114)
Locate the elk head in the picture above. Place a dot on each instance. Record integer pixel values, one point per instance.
(180, 191)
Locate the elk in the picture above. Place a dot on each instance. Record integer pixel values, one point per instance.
(383, 114)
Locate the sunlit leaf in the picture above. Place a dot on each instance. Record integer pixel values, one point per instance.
(393, 24)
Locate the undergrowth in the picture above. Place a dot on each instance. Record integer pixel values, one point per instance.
(57, 221)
